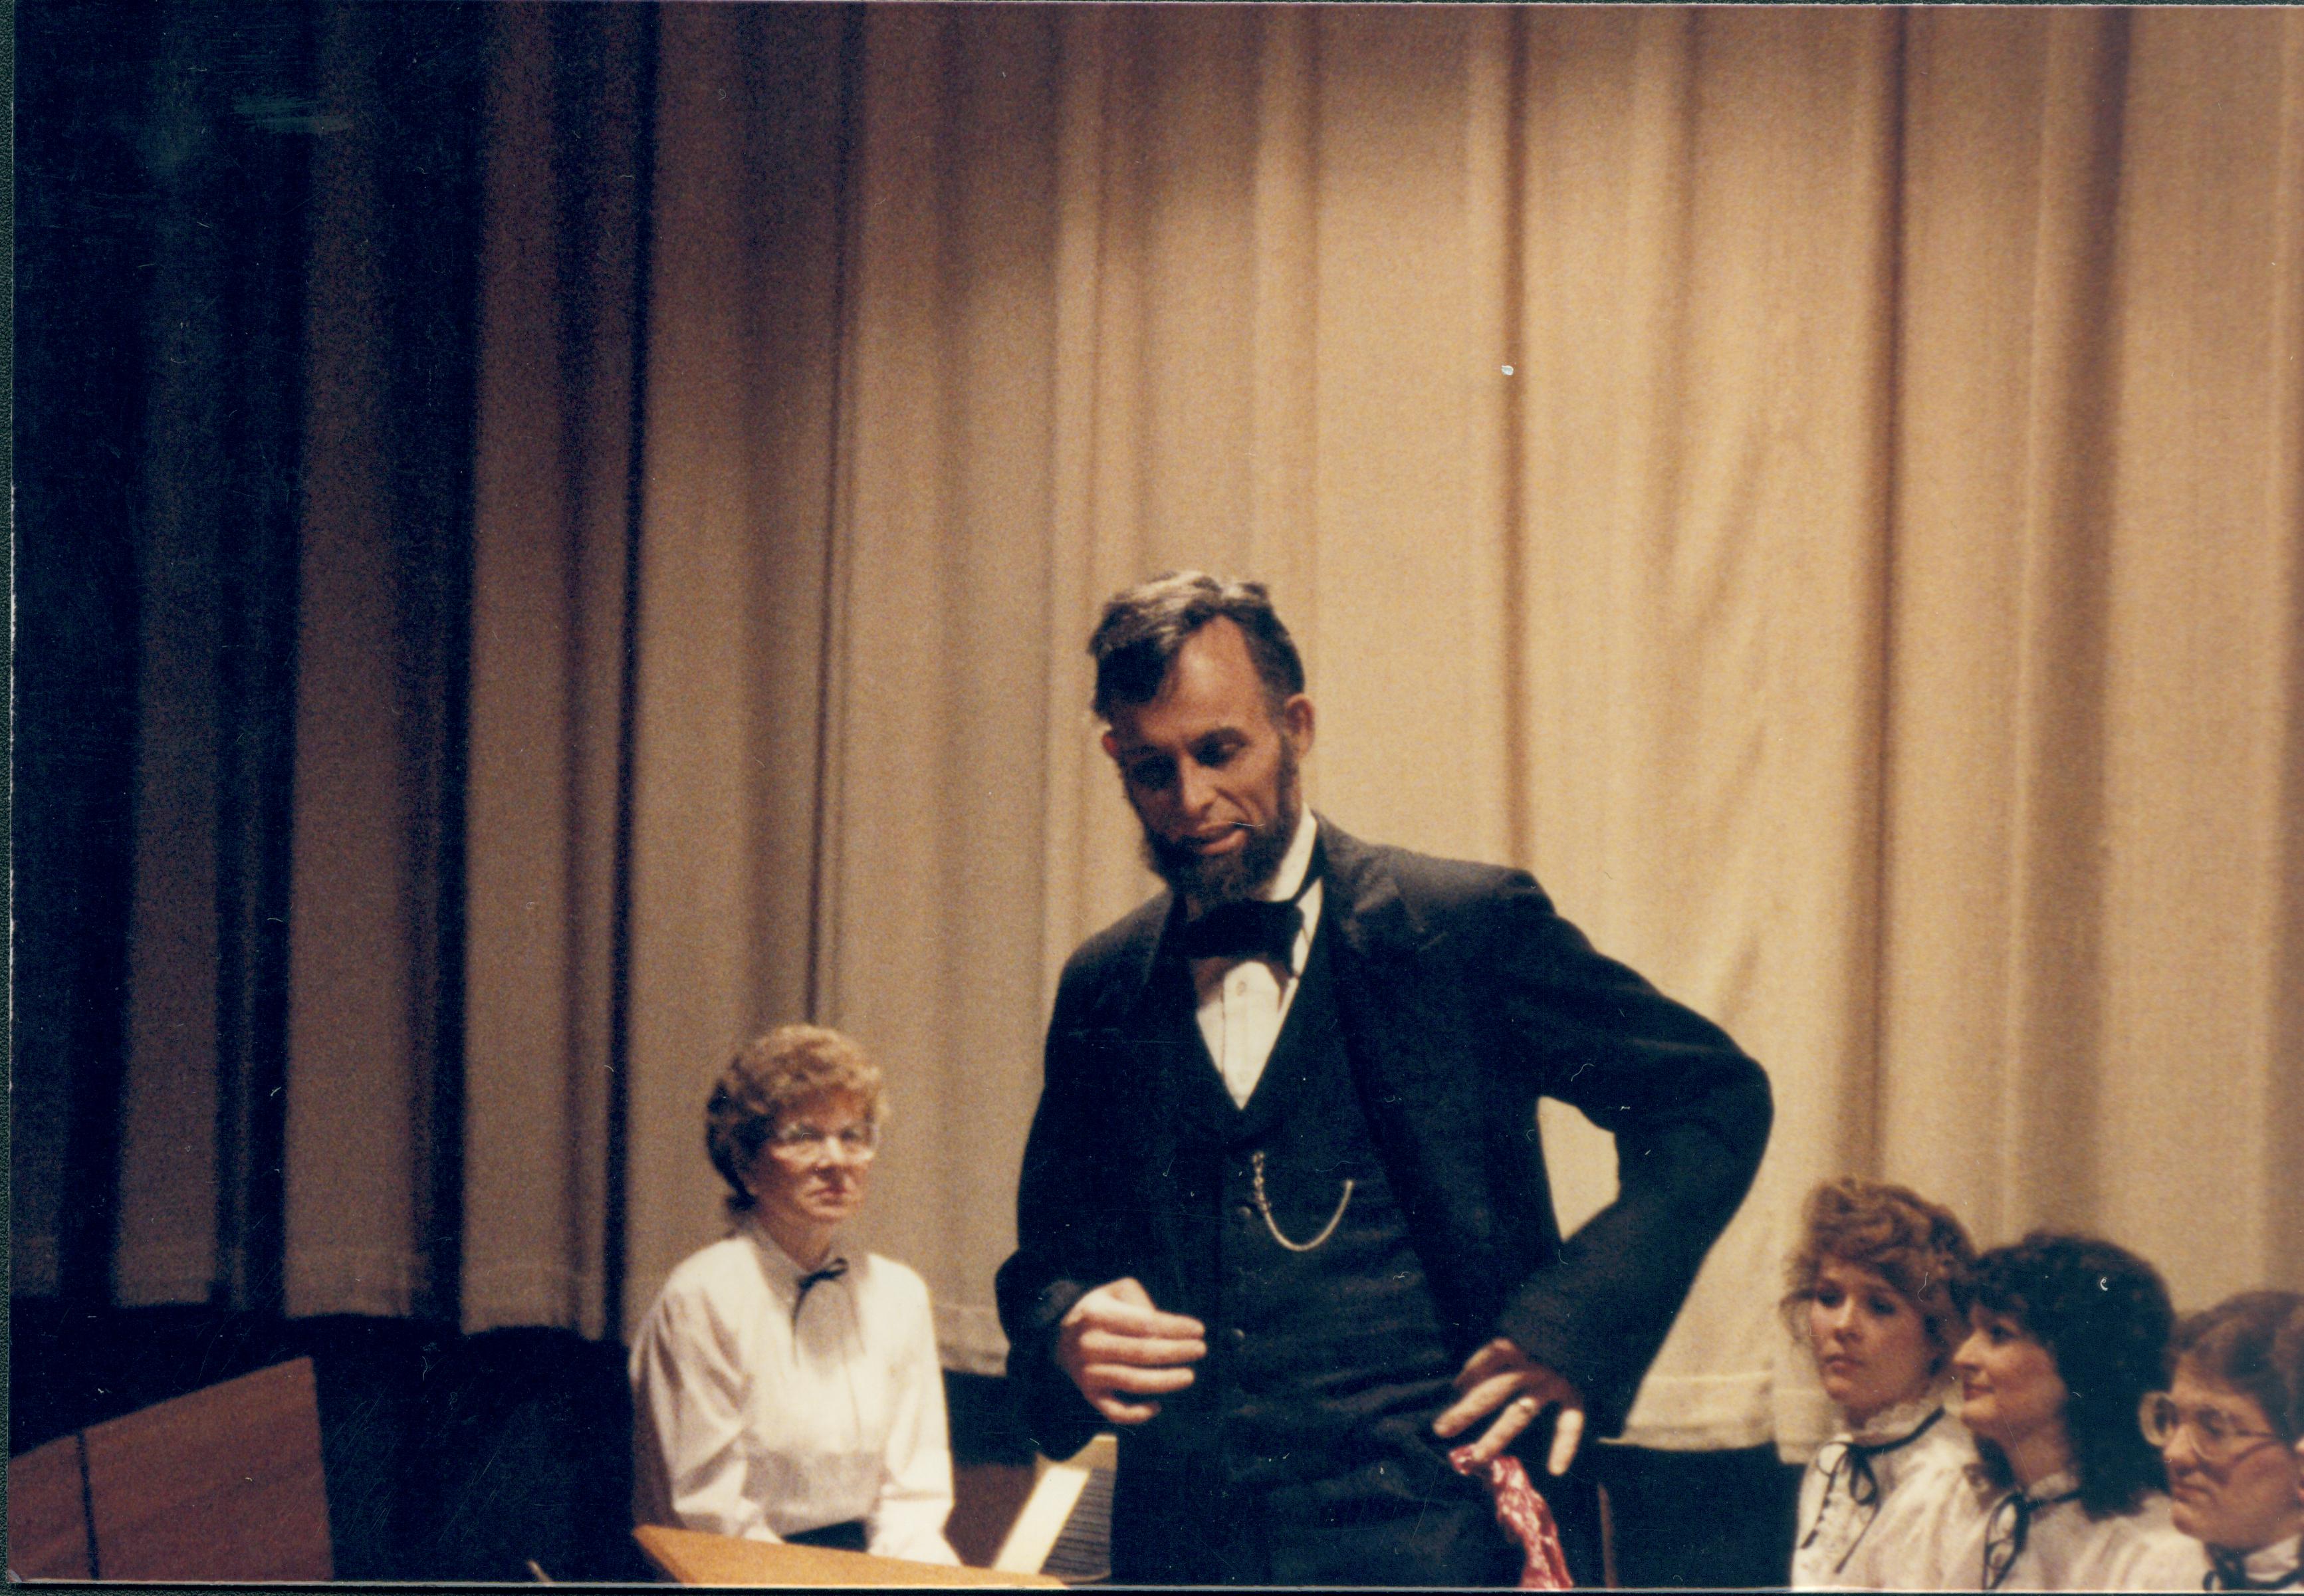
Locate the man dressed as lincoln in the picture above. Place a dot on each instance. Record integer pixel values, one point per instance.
(1283, 1219)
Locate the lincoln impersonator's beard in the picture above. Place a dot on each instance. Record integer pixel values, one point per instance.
(1228, 877)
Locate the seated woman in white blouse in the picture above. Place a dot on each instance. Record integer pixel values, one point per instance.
(783, 1387)
(1869, 1293)
(2227, 1428)
(2067, 1336)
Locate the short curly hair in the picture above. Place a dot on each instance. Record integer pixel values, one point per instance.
(2103, 1314)
(771, 1075)
(1916, 1246)
(2237, 1343)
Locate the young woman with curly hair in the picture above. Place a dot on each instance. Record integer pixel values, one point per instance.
(2227, 1428)
(1870, 1292)
(2067, 1335)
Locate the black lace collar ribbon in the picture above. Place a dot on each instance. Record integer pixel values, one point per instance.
(814, 1278)
(1863, 1485)
(2003, 1544)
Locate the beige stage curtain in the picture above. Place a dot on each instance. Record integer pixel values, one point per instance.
(1820, 488)
(2091, 1003)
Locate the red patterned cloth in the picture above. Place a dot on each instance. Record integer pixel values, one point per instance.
(1526, 1517)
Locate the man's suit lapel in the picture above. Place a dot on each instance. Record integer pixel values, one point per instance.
(1395, 1002)
(1418, 1072)
(1145, 1029)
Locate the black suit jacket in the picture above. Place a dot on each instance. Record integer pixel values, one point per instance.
(1464, 998)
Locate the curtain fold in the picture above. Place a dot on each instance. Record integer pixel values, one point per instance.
(2087, 897)
(373, 1094)
(741, 393)
(566, 123)
(216, 612)
(1712, 204)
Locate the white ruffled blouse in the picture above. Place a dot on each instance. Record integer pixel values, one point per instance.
(1856, 1474)
(1934, 1538)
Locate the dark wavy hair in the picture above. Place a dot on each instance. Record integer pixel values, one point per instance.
(2104, 1315)
(2237, 1344)
(1143, 627)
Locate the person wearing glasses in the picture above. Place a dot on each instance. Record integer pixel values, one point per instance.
(786, 1388)
(2067, 1334)
(1870, 1295)
(2226, 1428)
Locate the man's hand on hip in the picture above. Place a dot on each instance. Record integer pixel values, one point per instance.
(1502, 1377)
(1115, 1344)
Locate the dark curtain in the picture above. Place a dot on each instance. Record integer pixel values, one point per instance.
(247, 269)
(173, 272)
(83, 201)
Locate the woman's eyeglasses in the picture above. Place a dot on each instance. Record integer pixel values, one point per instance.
(805, 1144)
(2219, 1438)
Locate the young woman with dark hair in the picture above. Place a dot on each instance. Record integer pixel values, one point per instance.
(2067, 1335)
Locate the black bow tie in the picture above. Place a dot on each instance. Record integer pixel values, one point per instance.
(807, 1282)
(2229, 1572)
(1250, 928)
(2005, 1543)
(1863, 1483)
(1855, 1463)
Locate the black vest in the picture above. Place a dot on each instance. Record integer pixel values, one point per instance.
(1303, 1453)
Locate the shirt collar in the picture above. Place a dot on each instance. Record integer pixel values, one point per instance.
(1293, 863)
(2063, 1486)
(2054, 1487)
(777, 1264)
(2268, 1563)
(1896, 1423)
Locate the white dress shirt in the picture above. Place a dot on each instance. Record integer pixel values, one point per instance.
(1832, 1545)
(1932, 1538)
(1244, 1002)
(761, 1413)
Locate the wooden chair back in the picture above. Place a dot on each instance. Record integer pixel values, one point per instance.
(223, 1484)
(47, 1514)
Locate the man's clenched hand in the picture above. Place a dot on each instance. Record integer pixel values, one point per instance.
(1115, 1344)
